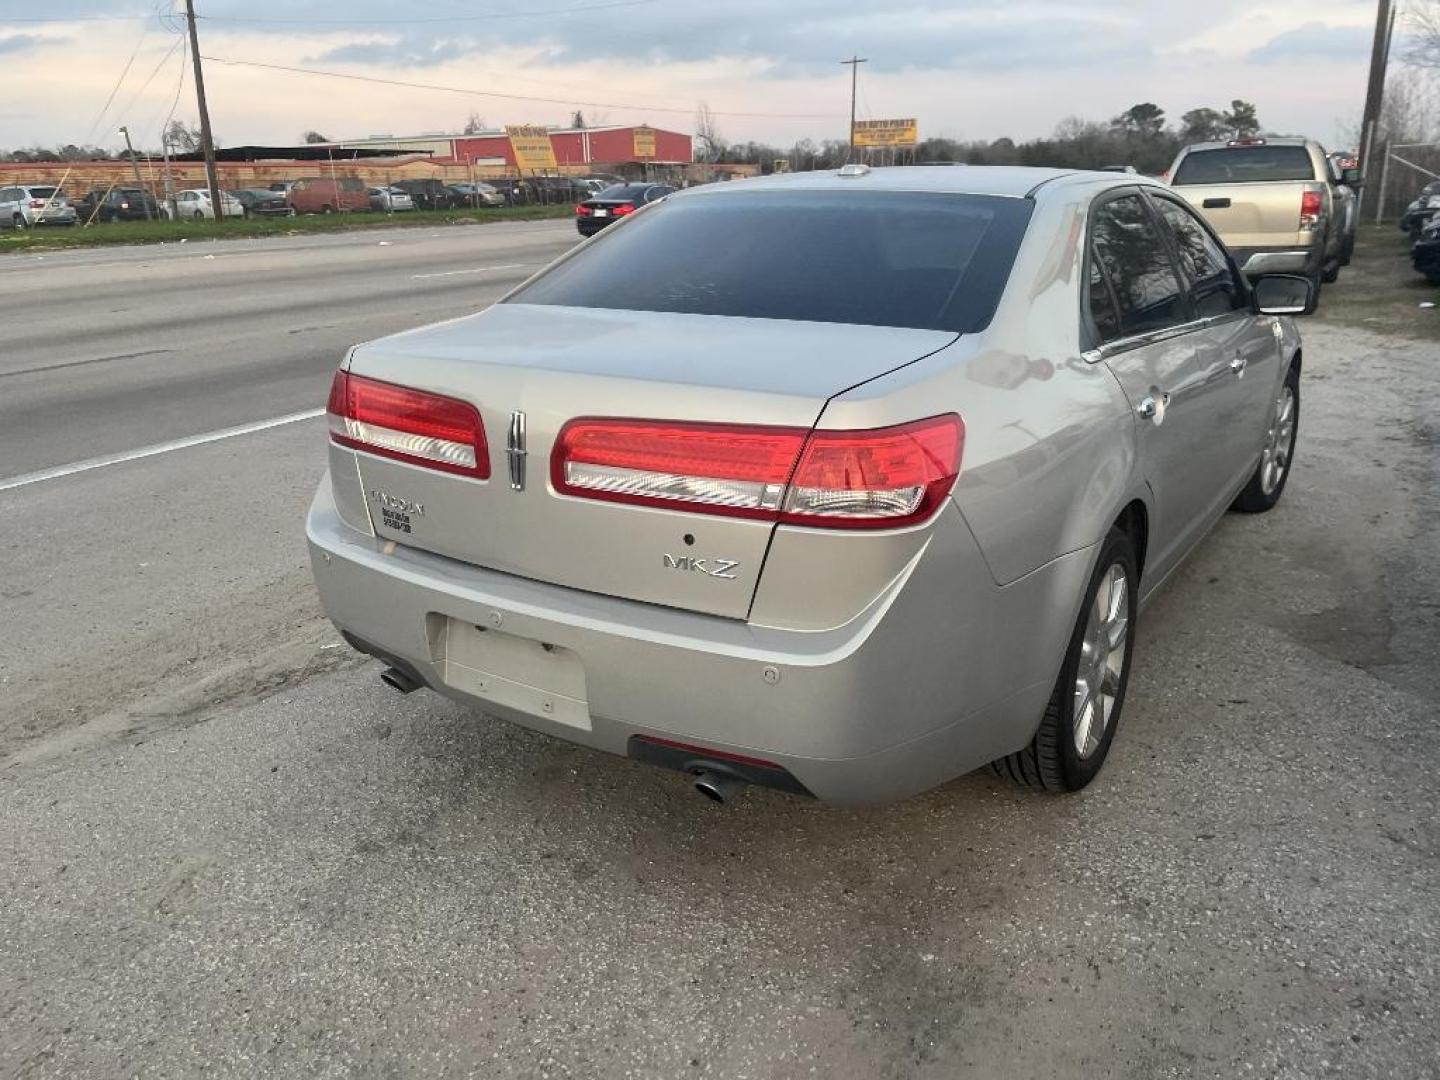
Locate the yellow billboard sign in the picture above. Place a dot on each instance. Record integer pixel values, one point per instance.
(644, 139)
(531, 146)
(886, 132)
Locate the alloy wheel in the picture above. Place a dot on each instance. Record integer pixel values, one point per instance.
(1277, 442)
(1100, 673)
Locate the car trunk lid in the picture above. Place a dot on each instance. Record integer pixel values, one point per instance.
(530, 369)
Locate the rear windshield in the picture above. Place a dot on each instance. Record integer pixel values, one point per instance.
(929, 261)
(1245, 164)
(43, 192)
(625, 191)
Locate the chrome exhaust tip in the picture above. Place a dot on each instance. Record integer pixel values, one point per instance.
(396, 679)
(718, 787)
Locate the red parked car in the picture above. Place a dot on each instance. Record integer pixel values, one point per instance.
(327, 195)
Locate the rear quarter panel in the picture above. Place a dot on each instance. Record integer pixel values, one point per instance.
(1049, 457)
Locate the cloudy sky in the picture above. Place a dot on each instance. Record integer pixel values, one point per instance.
(768, 68)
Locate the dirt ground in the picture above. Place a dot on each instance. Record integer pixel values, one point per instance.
(1380, 290)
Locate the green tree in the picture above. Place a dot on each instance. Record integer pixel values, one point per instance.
(1202, 125)
(1145, 120)
(1240, 120)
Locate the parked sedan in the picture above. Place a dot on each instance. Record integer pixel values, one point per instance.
(259, 202)
(478, 195)
(843, 483)
(430, 194)
(619, 201)
(195, 203)
(390, 200)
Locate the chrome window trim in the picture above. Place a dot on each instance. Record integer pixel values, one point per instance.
(1154, 337)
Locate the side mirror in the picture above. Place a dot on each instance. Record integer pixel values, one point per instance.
(1351, 177)
(1283, 294)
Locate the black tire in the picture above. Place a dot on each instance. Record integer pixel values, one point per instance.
(19, 221)
(1347, 252)
(1052, 761)
(1331, 273)
(327, 209)
(1262, 493)
(199, 215)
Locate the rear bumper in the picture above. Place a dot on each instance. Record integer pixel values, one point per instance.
(1256, 261)
(879, 709)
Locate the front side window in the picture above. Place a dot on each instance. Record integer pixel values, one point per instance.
(1214, 289)
(1136, 263)
(882, 258)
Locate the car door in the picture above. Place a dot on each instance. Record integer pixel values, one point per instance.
(1238, 353)
(1144, 331)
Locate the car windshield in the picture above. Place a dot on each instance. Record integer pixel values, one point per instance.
(924, 260)
(625, 191)
(1245, 164)
(45, 192)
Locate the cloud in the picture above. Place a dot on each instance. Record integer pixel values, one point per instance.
(1314, 41)
(14, 44)
(407, 51)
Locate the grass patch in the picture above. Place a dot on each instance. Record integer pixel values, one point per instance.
(1380, 290)
(54, 238)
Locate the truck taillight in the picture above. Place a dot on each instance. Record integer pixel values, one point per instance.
(408, 425)
(876, 479)
(1310, 208)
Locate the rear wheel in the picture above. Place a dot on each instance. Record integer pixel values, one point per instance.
(19, 221)
(1331, 273)
(327, 209)
(1267, 483)
(199, 215)
(1079, 724)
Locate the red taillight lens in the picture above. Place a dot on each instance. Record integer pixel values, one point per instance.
(835, 479)
(409, 425)
(1310, 207)
(37, 204)
(581, 210)
(624, 208)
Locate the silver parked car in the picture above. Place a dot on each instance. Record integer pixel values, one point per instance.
(26, 206)
(842, 483)
(390, 200)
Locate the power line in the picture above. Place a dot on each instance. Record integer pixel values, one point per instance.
(512, 97)
(361, 21)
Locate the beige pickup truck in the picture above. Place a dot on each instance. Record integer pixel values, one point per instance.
(1278, 204)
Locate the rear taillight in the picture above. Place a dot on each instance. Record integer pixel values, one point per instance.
(409, 425)
(1310, 207)
(581, 210)
(624, 208)
(875, 479)
(37, 204)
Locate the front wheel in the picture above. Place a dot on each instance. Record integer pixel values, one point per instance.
(1267, 483)
(1078, 727)
(199, 215)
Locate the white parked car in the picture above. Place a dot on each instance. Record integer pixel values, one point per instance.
(195, 203)
(27, 206)
(390, 200)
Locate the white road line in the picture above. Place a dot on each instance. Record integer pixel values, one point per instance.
(472, 270)
(159, 448)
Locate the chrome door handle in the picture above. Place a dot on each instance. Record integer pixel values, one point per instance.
(1153, 407)
(1237, 364)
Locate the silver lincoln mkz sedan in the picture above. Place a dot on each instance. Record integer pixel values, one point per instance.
(843, 483)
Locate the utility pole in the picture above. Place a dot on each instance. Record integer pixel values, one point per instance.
(855, 61)
(1375, 91)
(135, 166)
(207, 143)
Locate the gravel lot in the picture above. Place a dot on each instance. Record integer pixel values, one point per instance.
(332, 880)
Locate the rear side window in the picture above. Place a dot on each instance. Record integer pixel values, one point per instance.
(1245, 164)
(1214, 289)
(1136, 264)
(922, 260)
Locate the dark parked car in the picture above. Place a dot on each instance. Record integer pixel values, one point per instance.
(1420, 212)
(261, 203)
(431, 194)
(1426, 252)
(116, 204)
(514, 191)
(592, 215)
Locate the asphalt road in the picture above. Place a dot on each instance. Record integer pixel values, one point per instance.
(228, 850)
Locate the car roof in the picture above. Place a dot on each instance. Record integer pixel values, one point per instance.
(1014, 181)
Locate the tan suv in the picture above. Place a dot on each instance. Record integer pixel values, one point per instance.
(1277, 204)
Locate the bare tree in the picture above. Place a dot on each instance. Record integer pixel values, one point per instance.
(312, 137)
(474, 124)
(707, 134)
(1421, 21)
(182, 136)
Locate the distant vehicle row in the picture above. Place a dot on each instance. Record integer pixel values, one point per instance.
(26, 206)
